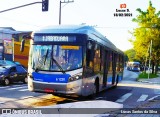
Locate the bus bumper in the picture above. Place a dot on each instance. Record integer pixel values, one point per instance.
(70, 88)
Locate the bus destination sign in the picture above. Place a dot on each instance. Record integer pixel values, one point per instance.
(54, 38)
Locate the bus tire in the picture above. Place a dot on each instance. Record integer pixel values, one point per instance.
(96, 85)
(117, 80)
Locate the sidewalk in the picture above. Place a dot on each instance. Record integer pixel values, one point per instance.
(151, 81)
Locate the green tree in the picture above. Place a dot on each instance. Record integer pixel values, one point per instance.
(148, 29)
(130, 55)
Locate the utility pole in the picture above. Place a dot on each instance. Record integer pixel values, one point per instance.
(146, 58)
(150, 52)
(60, 6)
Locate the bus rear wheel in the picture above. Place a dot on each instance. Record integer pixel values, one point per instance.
(117, 80)
(96, 86)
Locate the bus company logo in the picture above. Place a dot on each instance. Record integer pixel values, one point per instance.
(123, 11)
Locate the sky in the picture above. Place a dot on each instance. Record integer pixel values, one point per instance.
(97, 13)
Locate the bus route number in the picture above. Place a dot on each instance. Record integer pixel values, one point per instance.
(60, 79)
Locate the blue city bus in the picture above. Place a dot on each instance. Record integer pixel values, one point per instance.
(73, 60)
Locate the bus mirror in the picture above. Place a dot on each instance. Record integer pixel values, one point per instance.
(22, 45)
(89, 45)
(26, 36)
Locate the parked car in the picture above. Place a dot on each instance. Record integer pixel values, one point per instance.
(12, 73)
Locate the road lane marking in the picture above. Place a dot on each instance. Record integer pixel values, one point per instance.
(12, 86)
(19, 85)
(153, 97)
(16, 88)
(124, 97)
(24, 97)
(142, 98)
(4, 87)
(23, 89)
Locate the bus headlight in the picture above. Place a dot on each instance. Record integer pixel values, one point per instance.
(73, 78)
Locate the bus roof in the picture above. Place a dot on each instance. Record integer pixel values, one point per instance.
(79, 29)
(133, 62)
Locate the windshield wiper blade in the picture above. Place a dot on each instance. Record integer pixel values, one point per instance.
(36, 70)
(46, 56)
(58, 66)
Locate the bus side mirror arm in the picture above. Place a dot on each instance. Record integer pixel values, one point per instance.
(22, 45)
(23, 41)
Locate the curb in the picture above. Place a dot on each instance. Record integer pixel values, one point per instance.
(150, 82)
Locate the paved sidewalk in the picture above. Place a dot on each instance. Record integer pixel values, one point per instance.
(151, 80)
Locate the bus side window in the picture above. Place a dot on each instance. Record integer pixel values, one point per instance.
(97, 58)
(90, 54)
(89, 67)
(110, 69)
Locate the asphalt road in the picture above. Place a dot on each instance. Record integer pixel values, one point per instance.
(16, 91)
(129, 92)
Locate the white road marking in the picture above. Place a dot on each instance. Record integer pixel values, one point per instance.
(142, 98)
(4, 87)
(24, 97)
(124, 97)
(23, 89)
(153, 97)
(16, 88)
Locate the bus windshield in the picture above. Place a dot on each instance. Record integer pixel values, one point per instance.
(56, 57)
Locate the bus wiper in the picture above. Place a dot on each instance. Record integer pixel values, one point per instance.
(46, 56)
(58, 65)
(36, 70)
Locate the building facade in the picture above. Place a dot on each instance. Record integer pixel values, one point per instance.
(10, 41)
(6, 45)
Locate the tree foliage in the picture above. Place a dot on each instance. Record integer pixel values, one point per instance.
(148, 29)
(130, 55)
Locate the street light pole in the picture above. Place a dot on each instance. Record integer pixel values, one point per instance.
(60, 12)
(150, 52)
(60, 6)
